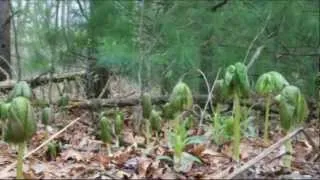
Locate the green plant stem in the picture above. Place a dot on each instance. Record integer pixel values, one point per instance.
(147, 130)
(266, 122)
(287, 158)
(20, 160)
(236, 128)
(2, 130)
(108, 147)
(216, 116)
(118, 141)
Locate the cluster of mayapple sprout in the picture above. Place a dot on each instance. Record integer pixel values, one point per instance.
(292, 104)
(18, 120)
(107, 129)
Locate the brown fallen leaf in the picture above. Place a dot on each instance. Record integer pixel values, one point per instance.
(143, 166)
(198, 149)
(71, 154)
(102, 159)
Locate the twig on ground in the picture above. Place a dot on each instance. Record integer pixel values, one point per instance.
(226, 174)
(262, 155)
(8, 168)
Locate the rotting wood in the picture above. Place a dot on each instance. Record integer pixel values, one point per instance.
(34, 82)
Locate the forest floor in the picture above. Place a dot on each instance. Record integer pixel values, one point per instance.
(82, 155)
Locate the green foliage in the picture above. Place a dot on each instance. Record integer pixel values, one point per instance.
(22, 88)
(222, 130)
(53, 149)
(236, 85)
(4, 110)
(293, 107)
(21, 124)
(168, 111)
(118, 123)
(181, 97)
(271, 82)
(236, 80)
(178, 140)
(105, 130)
(146, 105)
(63, 101)
(268, 84)
(155, 121)
(46, 115)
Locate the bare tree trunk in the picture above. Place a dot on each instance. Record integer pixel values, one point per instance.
(4, 40)
(97, 77)
(15, 31)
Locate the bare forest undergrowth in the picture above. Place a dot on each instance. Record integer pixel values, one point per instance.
(81, 154)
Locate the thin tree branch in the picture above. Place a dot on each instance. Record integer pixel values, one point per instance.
(256, 37)
(219, 5)
(82, 10)
(16, 42)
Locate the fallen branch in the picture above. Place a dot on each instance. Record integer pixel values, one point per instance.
(34, 82)
(11, 166)
(261, 156)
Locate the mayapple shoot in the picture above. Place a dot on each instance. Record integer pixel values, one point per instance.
(118, 125)
(46, 115)
(20, 127)
(267, 85)
(23, 89)
(293, 111)
(155, 121)
(180, 99)
(236, 85)
(146, 106)
(4, 109)
(106, 132)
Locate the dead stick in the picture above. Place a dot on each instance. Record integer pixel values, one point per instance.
(262, 155)
(43, 144)
(310, 141)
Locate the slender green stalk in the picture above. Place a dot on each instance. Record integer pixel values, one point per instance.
(287, 158)
(108, 147)
(216, 117)
(266, 122)
(236, 128)
(20, 160)
(147, 131)
(118, 141)
(2, 130)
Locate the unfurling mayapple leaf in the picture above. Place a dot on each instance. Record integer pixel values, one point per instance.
(64, 100)
(21, 124)
(119, 122)
(236, 80)
(4, 109)
(105, 130)
(268, 84)
(168, 111)
(181, 97)
(22, 88)
(146, 105)
(155, 121)
(271, 82)
(293, 107)
(46, 115)
(236, 85)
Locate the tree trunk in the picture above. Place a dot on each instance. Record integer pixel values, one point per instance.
(4, 39)
(96, 77)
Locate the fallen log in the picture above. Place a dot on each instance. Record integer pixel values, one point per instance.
(134, 101)
(34, 82)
